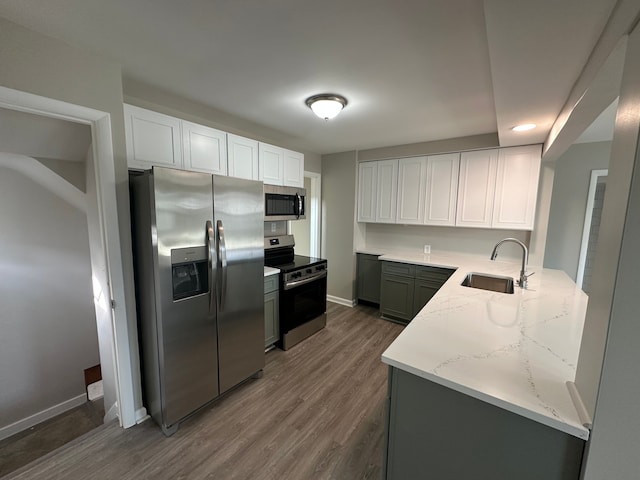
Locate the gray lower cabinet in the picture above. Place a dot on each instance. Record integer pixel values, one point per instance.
(369, 271)
(406, 288)
(271, 311)
(437, 432)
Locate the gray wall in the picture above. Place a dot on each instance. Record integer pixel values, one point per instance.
(569, 201)
(607, 374)
(47, 322)
(338, 218)
(37, 64)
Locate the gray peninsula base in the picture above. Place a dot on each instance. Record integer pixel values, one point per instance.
(436, 432)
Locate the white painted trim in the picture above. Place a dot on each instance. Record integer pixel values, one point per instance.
(582, 260)
(341, 301)
(124, 348)
(40, 417)
(315, 195)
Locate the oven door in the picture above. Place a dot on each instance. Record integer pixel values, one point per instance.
(302, 301)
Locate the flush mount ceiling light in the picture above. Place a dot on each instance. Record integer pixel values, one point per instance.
(326, 105)
(524, 127)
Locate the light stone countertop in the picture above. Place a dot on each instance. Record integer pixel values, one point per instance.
(515, 351)
(268, 271)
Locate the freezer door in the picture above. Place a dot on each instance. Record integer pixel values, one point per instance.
(239, 217)
(186, 316)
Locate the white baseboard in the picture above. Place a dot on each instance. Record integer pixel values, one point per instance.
(40, 417)
(141, 415)
(341, 301)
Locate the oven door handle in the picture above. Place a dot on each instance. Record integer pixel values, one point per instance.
(297, 283)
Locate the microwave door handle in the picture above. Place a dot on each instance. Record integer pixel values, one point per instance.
(211, 267)
(298, 206)
(222, 245)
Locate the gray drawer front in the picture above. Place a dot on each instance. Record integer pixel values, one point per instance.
(396, 268)
(435, 274)
(271, 283)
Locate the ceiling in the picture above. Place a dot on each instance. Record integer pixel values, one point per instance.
(412, 71)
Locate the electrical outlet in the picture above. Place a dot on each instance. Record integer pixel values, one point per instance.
(427, 249)
(273, 227)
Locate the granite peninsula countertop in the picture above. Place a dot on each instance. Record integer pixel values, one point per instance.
(515, 351)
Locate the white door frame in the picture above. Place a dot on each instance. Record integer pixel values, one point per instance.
(314, 209)
(121, 352)
(582, 260)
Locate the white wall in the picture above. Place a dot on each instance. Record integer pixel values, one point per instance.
(47, 322)
(569, 201)
(479, 241)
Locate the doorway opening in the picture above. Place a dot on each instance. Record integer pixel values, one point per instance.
(307, 232)
(593, 213)
(117, 344)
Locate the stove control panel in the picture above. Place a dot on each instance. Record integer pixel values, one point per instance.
(309, 272)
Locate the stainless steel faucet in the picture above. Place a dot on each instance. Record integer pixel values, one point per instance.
(522, 283)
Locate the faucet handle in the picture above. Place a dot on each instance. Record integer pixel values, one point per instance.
(522, 283)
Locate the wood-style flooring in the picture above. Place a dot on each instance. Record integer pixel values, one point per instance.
(316, 414)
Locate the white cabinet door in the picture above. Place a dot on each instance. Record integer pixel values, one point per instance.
(476, 188)
(367, 191)
(516, 187)
(151, 139)
(441, 189)
(242, 157)
(204, 149)
(387, 191)
(271, 164)
(293, 169)
(411, 190)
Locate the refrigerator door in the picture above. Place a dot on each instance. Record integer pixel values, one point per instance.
(186, 316)
(238, 219)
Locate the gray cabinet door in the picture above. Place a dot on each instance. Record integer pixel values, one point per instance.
(271, 318)
(369, 269)
(423, 292)
(450, 435)
(396, 297)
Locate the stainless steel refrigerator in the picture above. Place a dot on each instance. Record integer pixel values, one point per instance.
(199, 258)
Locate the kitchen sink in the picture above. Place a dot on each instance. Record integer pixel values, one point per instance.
(485, 281)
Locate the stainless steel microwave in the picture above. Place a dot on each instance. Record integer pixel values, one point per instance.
(284, 203)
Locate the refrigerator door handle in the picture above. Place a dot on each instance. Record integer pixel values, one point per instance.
(211, 253)
(222, 245)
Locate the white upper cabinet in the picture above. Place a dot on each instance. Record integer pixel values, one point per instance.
(271, 164)
(476, 188)
(293, 168)
(387, 194)
(516, 187)
(204, 148)
(151, 139)
(367, 191)
(441, 192)
(412, 176)
(242, 157)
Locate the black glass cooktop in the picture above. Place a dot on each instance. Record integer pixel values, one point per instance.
(289, 264)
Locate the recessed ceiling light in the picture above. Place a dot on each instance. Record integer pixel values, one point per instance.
(326, 105)
(524, 127)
